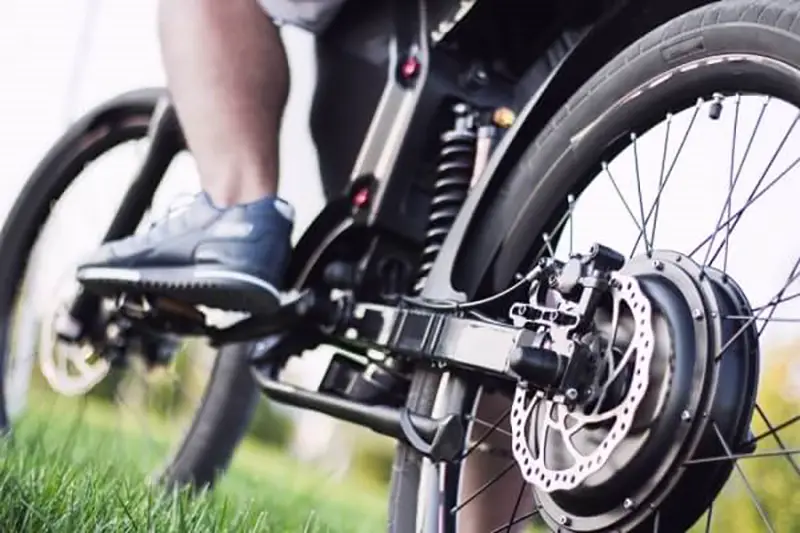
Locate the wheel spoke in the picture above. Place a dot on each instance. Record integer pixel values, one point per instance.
(656, 202)
(548, 244)
(492, 427)
(735, 179)
(663, 185)
(738, 214)
(647, 247)
(777, 437)
(622, 198)
(762, 178)
(792, 276)
(731, 181)
(741, 473)
(497, 477)
(516, 507)
(777, 428)
(516, 521)
(709, 516)
(738, 456)
(760, 319)
(780, 294)
(789, 298)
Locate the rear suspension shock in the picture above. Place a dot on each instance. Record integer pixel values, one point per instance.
(453, 178)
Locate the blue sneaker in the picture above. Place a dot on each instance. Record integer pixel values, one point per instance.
(232, 259)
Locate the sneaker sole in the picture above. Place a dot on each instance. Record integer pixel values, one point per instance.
(211, 287)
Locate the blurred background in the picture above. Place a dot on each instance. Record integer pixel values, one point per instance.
(59, 59)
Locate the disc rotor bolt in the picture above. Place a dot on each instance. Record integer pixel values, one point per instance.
(563, 520)
(686, 415)
(697, 314)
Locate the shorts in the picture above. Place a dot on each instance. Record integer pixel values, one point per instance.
(311, 15)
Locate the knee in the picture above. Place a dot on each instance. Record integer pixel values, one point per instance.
(181, 6)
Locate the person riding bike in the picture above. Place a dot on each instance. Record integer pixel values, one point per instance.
(228, 76)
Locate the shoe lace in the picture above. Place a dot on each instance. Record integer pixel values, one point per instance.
(178, 205)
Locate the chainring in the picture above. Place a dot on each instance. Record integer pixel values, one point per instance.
(70, 370)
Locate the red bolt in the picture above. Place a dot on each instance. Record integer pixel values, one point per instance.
(410, 67)
(361, 198)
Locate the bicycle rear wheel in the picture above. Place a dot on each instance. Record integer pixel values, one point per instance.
(213, 415)
(630, 162)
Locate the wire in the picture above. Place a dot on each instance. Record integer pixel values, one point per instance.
(447, 305)
(486, 318)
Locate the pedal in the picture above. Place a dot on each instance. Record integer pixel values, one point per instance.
(169, 315)
(297, 308)
(179, 308)
(194, 285)
(163, 315)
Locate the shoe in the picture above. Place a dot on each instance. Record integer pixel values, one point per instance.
(231, 259)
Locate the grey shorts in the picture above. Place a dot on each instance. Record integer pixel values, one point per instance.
(312, 15)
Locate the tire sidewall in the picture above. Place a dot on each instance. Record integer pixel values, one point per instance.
(607, 109)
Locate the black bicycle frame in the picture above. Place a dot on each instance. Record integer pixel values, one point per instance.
(386, 198)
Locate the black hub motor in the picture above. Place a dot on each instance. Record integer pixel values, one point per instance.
(672, 383)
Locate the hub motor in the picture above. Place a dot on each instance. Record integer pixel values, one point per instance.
(671, 383)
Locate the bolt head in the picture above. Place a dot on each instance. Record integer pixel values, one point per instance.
(563, 520)
(686, 415)
(658, 265)
(627, 503)
(697, 314)
(571, 394)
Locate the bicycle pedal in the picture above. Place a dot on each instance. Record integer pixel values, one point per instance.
(179, 308)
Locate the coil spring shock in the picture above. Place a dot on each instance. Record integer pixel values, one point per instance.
(453, 177)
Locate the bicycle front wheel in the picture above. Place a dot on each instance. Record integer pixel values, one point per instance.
(193, 411)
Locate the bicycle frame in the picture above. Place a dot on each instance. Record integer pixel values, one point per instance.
(383, 212)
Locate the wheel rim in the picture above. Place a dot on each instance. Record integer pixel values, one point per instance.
(717, 449)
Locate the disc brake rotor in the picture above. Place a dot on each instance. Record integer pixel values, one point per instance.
(554, 422)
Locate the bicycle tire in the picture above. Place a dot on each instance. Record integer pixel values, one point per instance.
(229, 399)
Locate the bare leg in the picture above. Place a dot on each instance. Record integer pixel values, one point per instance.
(229, 79)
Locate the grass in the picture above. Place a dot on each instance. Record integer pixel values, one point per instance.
(62, 471)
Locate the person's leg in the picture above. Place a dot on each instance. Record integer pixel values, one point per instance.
(229, 78)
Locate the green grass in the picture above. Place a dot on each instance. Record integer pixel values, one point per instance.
(66, 472)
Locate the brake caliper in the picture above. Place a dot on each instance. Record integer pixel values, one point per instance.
(570, 372)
